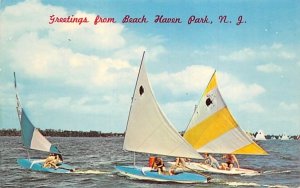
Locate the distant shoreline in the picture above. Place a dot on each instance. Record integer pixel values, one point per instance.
(62, 133)
(67, 133)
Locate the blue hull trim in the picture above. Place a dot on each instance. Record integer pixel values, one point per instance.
(139, 173)
(37, 165)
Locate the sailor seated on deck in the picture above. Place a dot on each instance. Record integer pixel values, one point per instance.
(158, 165)
(230, 161)
(210, 160)
(179, 163)
(52, 160)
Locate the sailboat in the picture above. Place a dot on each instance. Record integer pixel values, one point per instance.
(32, 139)
(212, 129)
(149, 131)
(284, 137)
(260, 135)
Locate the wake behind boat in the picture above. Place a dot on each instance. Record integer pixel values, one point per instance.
(33, 139)
(149, 131)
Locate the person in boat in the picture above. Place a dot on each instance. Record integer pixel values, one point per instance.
(230, 161)
(159, 165)
(179, 163)
(52, 160)
(210, 160)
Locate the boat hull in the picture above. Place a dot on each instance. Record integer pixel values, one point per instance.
(145, 173)
(206, 168)
(37, 165)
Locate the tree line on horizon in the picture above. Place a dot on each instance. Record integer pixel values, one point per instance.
(67, 133)
(62, 133)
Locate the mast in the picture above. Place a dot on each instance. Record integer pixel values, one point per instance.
(19, 109)
(19, 106)
(134, 90)
(132, 101)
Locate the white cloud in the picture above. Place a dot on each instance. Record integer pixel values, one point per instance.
(291, 106)
(273, 53)
(286, 55)
(245, 54)
(236, 91)
(251, 107)
(191, 79)
(58, 103)
(34, 16)
(269, 68)
(194, 79)
(96, 37)
(71, 53)
(276, 46)
(179, 113)
(25, 17)
(86, 59)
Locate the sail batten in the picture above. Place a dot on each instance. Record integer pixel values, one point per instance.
(148, 130)
(213, 129)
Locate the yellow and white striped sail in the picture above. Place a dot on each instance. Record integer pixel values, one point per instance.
(212, 128)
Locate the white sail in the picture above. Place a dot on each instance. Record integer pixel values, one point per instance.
(148, 130)
(284, 137)
(260, 135)
(213, 129)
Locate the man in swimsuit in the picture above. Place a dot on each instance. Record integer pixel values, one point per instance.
(230, 161)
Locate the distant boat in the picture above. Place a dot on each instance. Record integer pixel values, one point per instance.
(260, 135)
(33, 139)
(273, 138)
(284, 137)
(212, 129)
(149, 131)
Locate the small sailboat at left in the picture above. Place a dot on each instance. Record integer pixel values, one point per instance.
(32, 139)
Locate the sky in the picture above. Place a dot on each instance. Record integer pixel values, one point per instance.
(75, 76)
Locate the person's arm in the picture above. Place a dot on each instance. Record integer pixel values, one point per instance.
(162, 163)
(237, 162)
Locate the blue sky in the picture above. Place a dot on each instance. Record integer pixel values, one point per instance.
(81, 77)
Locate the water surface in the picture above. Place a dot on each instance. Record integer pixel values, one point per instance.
(96, 158)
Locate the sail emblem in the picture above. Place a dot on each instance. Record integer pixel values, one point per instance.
(211, 101)
(208, 101)
(141, 90)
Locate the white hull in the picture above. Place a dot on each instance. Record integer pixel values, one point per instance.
(190, 166)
